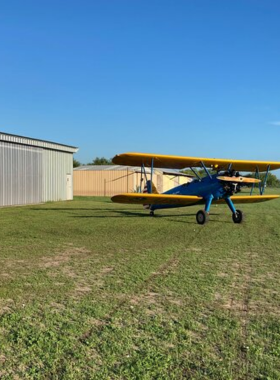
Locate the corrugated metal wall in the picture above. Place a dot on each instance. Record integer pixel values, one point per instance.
(112, 182)
(29, 174)
(21, 177)
(56, 167)
(103, 182)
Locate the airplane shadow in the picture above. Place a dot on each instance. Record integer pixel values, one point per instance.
(188, 218)
(72, 209)
(131, 214)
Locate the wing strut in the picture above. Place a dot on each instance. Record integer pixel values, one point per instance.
(152, 169)
(143, 175)
(265, 180)
(256, 176)
(206, 170)
(195, 173)
(262, 185)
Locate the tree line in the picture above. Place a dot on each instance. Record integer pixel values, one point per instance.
(95, 161)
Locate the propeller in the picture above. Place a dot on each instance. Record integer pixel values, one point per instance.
(238, 179)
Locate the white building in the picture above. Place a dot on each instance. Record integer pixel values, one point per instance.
(34, 171)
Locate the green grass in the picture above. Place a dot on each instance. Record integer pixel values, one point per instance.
(96, 290)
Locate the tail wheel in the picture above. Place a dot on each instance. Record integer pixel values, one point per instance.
(202, 217)
(238, 216)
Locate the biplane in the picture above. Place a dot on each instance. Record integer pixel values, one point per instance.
(220, 183)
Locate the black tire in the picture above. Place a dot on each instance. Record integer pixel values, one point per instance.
(202, 217)
(238, 217)
(152, 213)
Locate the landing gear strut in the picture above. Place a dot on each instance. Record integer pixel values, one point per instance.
(237, 215)
(202, 216)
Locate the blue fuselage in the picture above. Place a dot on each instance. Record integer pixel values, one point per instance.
(206, 187)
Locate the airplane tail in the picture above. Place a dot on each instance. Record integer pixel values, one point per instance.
(150, 189)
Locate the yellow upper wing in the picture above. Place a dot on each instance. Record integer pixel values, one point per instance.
(179, 162)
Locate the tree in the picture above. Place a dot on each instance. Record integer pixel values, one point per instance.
(272, 180)
(76, 163)
(101, 161)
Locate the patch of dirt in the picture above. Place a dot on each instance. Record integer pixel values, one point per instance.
(239, 299)
(82, 289)
(2, 359)
(5, 310)
(57, 306)
(149, 303)
(6, 306)
(262, 307)
(69, 272)
(6, 276)
(194, 249)
(94, 280)
(62, 257)
(222, 274)
(176, 302)
(106, 270)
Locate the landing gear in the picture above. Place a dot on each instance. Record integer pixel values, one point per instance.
(238, 216)
(152, 213)
(202, 217)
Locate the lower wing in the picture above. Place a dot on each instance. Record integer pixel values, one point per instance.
(253, 198)
(184, 200)
(157, 199)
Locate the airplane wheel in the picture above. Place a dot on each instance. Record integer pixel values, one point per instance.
(202, 217)
(152, 213)
(238, 217)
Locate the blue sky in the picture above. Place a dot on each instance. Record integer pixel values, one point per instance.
(192, 77)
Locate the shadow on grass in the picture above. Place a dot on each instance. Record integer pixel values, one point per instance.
(180, 218)
(72, 209)
(131, 214)
(134, 214)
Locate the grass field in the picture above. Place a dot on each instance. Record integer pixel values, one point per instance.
(96, 290)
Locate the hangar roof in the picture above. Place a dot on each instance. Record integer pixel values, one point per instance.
(21, 140)
(136, 169)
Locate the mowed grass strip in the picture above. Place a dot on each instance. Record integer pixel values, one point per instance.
(96, 290)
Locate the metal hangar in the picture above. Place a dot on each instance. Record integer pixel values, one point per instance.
(34, 171)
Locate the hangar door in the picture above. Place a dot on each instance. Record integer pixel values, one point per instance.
(21, 177)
